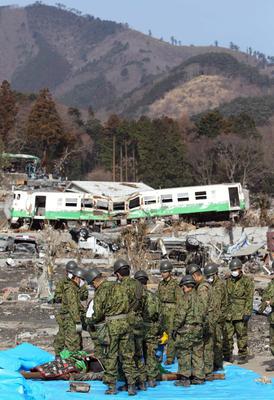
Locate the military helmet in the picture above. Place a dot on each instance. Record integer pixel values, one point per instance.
(192, 268)
(120, 263)
(187, 280)
(166, 266)
(71, 266)
(80, 273)
(210, 269)
(92, 274)
(235, 263)
(141, 275)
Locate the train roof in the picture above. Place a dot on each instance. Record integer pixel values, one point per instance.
(107, 188)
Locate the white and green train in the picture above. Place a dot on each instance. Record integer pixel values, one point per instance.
(209, 202)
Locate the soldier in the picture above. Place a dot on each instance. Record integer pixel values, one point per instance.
(240, 291)
(151, 330)
(72, 311)
(59, 341)
(135, 294)
(219, 300)
(188, 332)
(168, 294)
(98, 330)
(205, 297)
(113, 308)
(268, 300)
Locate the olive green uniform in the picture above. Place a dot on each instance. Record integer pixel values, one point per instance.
(151, 334)
(168, 293)
(114, 310)
(136, 297)
(204, 295)
(71, 313)
(240, 293)
(268, 295)
(188, 325)
(98, 331)
(219, 301)
(59, 340)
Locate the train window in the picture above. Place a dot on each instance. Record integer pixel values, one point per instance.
(166, 198)
(102, 205)
(200, 195)
(86, 203)
(18, 196)
(134, 203)
(119, 206)
(71, 202)
(149, 200)
(182, 197)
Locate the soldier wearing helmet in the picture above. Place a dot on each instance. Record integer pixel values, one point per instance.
(219, 300)
(59, 340)
(150, 314)
(72, 310)
(188, 333)
(240, 292)
(168, 294)
(204, 294)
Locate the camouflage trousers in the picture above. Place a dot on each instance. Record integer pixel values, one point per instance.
(240, 329)
(67, 337)
(150, 347)
(59, 340)
(167, 318)
(190, 352)
(208, 351)
(271, 338)
(121, 348)
(218, 346)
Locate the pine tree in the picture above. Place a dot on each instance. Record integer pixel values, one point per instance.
(45, 128)
(8, 110)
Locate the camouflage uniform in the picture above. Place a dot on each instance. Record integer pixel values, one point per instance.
(169, 293)
(151, 333)
(240, 293)
(59, 340)
(268, 295)
(97, 330)
(188, 324)
(136, 297)
(115, 311)
(204, 295)
(219, 301)
(71, 312)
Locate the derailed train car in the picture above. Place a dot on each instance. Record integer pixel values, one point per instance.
(208, 202)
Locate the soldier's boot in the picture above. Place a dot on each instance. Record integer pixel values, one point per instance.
(151, 383)
(197, 381)
(131, 390)
(111, 390)
(184, 381)
(242, 360)
(142, 386)
(123, 388)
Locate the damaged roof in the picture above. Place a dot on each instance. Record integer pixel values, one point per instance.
(107, 188)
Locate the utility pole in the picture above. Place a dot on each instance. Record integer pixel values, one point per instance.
(126, 161)
(113, 157)
(121, 163)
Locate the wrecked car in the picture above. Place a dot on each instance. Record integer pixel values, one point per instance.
(25, 246)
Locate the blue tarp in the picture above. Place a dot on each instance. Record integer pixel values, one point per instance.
(238, 385)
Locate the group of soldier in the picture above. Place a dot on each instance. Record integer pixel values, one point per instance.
(200, 314)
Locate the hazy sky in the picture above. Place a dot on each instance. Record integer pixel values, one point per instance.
(244, 22)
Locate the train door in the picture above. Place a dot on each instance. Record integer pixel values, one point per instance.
(40, 205)
(234, 199)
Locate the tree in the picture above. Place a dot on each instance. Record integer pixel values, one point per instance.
(45, 128)
(149, 33)
(211, 124)
(8, 110)
(216, 43)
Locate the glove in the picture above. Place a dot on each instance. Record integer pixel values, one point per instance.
(79, 328)
(246, 318)
(174, 334)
